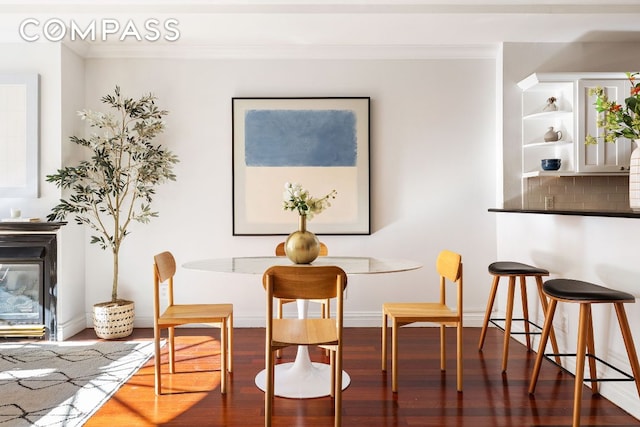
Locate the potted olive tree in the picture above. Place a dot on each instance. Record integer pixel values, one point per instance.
(114, 187)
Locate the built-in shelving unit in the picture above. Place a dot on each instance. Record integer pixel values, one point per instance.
(536, 90)
(574, 117)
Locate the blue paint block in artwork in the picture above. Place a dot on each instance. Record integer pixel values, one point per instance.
(280, 138)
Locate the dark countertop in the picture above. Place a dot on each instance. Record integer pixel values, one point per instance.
(611, 214)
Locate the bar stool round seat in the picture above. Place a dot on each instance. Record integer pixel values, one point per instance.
(513, 270)
(571, 290)
(585, 294)
(506, 268)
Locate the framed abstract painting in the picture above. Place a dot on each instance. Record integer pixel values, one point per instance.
(319, 143)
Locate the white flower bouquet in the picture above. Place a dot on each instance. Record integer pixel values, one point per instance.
(296, 198)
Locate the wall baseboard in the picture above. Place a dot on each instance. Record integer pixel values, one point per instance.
(68, 329)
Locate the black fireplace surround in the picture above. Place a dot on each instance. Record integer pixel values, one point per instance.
(29, 250)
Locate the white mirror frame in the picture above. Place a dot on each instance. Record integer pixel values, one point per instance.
(19, 131)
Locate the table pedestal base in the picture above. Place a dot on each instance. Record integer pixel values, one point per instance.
(301, 379)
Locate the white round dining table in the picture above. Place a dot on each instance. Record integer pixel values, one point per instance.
(302, 378)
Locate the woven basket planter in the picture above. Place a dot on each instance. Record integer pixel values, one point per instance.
(113, 319)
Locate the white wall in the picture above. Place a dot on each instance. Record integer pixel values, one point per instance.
(45, 61)
(60, 79)
(71, 268)
(600, 250)
(432, 175)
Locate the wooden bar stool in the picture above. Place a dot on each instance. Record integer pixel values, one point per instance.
(585, 294)
(512, 270)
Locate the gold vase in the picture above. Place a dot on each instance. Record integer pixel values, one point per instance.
(302, 246)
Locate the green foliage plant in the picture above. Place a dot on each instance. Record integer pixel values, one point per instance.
(117, 184)
(615, 119)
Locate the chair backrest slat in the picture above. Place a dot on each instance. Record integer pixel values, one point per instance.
(165, 266)
(449, 265)
(304, 282)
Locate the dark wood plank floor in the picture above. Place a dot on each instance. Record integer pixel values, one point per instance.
(426, 396)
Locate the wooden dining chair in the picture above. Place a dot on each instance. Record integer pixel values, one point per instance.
(326, 304)
(449, 267)
(217, 315)
(304, 282)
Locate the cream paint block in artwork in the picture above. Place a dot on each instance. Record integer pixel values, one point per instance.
(265, 188)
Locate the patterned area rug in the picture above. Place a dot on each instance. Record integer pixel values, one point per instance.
(64, 383)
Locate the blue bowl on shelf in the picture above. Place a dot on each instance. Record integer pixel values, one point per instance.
(550, 164)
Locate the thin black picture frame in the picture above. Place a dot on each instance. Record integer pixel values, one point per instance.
(258, 185)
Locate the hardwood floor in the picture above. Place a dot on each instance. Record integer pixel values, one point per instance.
(426, 397)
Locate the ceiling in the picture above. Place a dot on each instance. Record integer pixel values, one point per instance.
(320, 28)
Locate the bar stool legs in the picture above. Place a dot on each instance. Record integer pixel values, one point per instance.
(585, 294)
(628, 343)
(545, 305)
(513, 270)
(487, 314)
(548, 320)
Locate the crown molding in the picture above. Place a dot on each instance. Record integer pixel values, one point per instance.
(322, 6)
(356, 52)
(79, 47)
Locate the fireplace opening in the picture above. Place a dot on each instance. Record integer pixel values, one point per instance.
(28, 285)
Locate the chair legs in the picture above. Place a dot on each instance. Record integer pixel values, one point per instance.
(332, 365)
(460, 356)
(268, 392)
(443, 349)
(337, 386)
(156, 358)
(395, 326)
(279, 315)
(384, 341)
(394, 349)
(585, 345)
(394, 355)
(335, 357)
(226, 353)
(230, 343)
(172, 350)
(459, 353)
